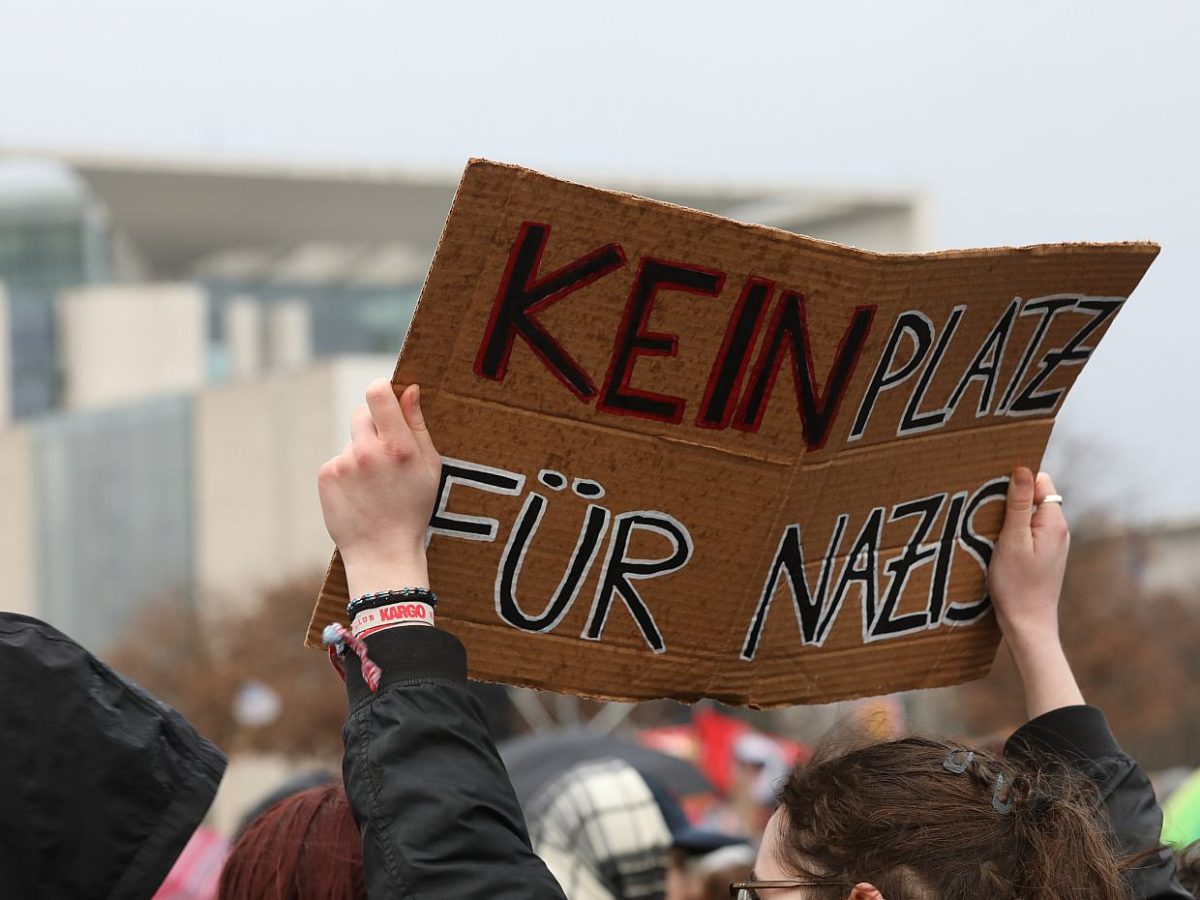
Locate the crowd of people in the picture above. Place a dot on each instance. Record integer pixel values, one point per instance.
(103, 785)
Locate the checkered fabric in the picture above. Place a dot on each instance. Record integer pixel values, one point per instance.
(601, 833)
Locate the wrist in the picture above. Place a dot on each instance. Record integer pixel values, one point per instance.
(1038, 635)
(1047, 679)
(1036, 652)
(372, 573)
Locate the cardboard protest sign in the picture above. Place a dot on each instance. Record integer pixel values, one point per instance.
(687, 457)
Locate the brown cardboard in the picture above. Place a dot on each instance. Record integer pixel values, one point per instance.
(741, 483)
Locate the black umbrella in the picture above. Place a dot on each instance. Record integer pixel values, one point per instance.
(534, 760)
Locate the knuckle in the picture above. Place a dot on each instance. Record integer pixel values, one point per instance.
(398, 451)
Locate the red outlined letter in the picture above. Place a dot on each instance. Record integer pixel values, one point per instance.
(633, 340)
(817, 412)
(522, 293)
(730, 365)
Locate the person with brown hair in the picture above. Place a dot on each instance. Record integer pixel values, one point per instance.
(303, 846)
(903, 820)
(919, 819)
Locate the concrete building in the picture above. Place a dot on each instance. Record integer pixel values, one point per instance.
(257, 446)
(18, 532)
(118, 343)
(203, 498)
(5, 370)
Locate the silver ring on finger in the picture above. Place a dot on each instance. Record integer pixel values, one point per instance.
(1052, 498)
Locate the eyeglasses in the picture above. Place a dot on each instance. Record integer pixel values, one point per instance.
(748, 890)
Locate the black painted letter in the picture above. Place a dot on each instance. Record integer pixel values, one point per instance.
(620, 569)
(522, 294)
(633, 340)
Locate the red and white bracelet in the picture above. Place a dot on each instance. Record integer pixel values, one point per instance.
(393, 615)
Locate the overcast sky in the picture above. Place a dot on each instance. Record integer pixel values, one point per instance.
(1024, 122)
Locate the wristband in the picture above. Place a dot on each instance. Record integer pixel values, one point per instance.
(392, 615)
(385, 598)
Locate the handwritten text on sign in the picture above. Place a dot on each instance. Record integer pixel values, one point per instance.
(658, 424)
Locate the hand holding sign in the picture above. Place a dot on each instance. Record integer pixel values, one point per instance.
(378, 494)
(1025, 582)
(688, 457)
(1026, 574)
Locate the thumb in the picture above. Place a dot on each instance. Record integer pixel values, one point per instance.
(410, 404)
(1018, 510)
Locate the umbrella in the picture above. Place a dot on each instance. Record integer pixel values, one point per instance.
(534, 760)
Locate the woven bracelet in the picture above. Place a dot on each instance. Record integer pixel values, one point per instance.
(386, 598)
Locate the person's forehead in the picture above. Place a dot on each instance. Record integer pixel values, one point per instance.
(767, 866)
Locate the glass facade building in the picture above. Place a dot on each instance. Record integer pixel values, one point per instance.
(346, 319)
(45, 247)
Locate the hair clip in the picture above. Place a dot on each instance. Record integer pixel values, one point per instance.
(1004, 807)
(958, 760)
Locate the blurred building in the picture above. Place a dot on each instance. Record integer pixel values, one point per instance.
(182, 343)
(204, 496)
(52, 237)
(1156, 560)
(290, 264)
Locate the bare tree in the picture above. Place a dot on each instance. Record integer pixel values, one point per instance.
(200, 667)
(1133, 652)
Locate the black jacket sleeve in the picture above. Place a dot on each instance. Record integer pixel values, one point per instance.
(1080, 735)
(432, 799)
(101, 784)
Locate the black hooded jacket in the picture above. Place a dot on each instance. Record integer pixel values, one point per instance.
(101, 785)
(434, 803)
(439, 818)
(1080, 736)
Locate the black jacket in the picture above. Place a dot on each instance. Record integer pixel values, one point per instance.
(101, 785)
(437, 812)
(1080, 735)
(439, 819)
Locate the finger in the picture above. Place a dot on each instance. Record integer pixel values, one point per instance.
(1043, 486)
(410, 405)
(1018, 510)
(362, 426)
(385, 410)
(1048, 517)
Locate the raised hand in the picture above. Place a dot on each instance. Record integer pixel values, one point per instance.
(1025, 581)
(377, 495)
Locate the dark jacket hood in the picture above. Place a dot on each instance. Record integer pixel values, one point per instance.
(101, 784)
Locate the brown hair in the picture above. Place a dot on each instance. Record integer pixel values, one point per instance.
(305, 846)
(898, 816)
